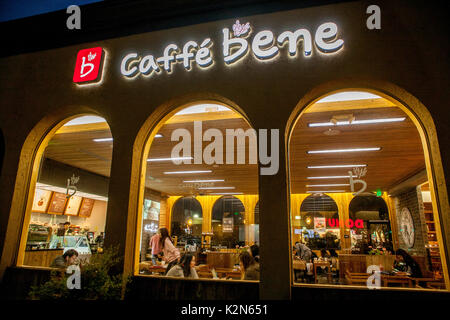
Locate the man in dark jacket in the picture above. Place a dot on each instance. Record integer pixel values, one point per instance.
(67, 259)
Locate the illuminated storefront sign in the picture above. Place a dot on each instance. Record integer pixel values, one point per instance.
(236, 45)
(88, 67)
(349, 223)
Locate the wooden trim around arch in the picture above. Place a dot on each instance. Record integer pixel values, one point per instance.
(141, 148)
(25, 184)
(423, 120)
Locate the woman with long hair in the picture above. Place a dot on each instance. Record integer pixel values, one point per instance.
(171, 254)
(184, 269)
(249, 267)
(411, 264)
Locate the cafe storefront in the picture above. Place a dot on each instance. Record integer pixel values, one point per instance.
(302, 128)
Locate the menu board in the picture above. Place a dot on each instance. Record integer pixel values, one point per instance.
(41, 200)
(86, 207)
(57, 203)
(73, 205)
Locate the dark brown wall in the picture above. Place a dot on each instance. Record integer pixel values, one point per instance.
(409, 51)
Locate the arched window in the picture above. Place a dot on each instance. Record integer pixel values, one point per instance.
(199, 157)
(71, 194)
(375, 232)
(187, 221)
(318, 225)
(228, 223)
(358, 171)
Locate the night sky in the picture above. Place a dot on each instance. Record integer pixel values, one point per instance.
(16, 9)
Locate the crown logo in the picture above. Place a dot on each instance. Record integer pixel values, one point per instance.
(240, 29)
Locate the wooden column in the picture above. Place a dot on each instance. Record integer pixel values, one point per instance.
(249, 201)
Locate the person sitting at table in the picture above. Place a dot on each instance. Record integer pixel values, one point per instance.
(249, 267)
(185, 268)
(405, 263)
(171, 255)
(324, 254)
(303, 252)
(254, 251)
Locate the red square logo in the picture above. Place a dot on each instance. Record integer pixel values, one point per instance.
(88, 67)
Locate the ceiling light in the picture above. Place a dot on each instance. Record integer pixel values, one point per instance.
(325, 191)
(158, 135)
(330, 177)
(344, 150)
(348, 96)
(84, 120)
(328, 185)
(103, 139)
(199, 181)
(338, 166)
(187, 172)
(225, 193)
(346, 123)
(170, 159)
(207, 188)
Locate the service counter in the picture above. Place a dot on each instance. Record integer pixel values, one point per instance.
(41, 257)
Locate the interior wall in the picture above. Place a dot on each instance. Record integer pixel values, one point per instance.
(96, 221)
(412, 199)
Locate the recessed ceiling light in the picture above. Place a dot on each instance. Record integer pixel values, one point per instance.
(170, 159)
(328, 185)
(344, 150)
(207, 188)
(103, 139)
(188, 172)
(199, 181)
(347, 123)
(325, 191)
(330, 177)
(338, 166)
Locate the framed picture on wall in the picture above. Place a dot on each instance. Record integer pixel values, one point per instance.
(73, 206)
(86, 207)
(41, 200)
(57, 203)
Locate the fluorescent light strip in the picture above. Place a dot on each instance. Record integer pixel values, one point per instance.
(188, 172)
(170, 159)
(328, 185)
(225, 193)
(325, 191)
(199, 181)
(330, 177)
(344, 150)
(206, 188)
(338, 166)
(347, 123)
(103, 139)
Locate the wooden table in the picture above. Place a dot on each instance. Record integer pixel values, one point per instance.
(402, 280)
(157, 269)
(228, 273)
(322, 264)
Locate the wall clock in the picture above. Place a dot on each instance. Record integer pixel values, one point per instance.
(407, 227)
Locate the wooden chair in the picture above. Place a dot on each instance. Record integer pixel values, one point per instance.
(356, 278)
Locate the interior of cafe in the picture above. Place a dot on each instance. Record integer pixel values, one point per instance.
(360, 197)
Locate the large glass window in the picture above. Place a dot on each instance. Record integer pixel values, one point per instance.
(70, 200)
(202, 166)
(361, 207)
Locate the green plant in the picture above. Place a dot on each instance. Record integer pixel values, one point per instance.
(101, 279)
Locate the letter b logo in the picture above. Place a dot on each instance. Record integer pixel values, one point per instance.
(88, 67)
